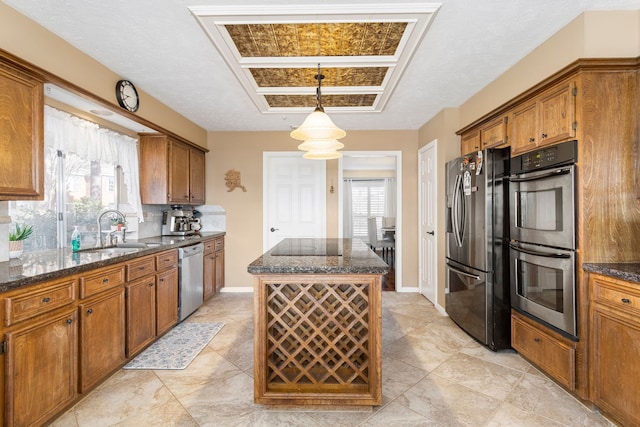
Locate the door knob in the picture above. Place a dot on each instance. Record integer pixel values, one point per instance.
(274, 229)
(433, 233)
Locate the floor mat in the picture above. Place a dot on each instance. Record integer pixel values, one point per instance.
(177, 348)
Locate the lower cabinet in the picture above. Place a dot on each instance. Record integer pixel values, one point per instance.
(614, 367)
(41, 369)
(166, 300)
(545, 348)
(140, 314)
(102, 337)
(213, 266)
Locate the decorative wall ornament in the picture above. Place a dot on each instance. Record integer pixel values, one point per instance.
(232, 180)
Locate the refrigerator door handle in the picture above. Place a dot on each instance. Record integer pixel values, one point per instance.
(464, 273)
(454, 211)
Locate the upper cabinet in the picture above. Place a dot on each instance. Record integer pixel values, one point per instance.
(546, 119)
(171, 172)
(21, 134)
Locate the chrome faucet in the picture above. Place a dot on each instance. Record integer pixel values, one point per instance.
(100, 243)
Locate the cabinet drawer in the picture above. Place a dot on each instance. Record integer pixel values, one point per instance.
(551, 352)
(219, 244)
(166, 260)
(30, 304)
(140, 268)
(209, 246)
(101, 281)
(613, 292)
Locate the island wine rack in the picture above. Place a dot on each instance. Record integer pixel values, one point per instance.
(318, 339)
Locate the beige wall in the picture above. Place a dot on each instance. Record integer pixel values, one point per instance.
(27, 40)
(242, 151)
(596, 34)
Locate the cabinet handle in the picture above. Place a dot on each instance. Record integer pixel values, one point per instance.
(532, 139)
(90, 311)
(162, 280)
(536, 340)
(140, 268)
(544, 135)
(69, 321)
(150, 284)
(46, 299)
(626, 300)
(105, 280)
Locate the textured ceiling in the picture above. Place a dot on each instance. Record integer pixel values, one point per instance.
(167, 51)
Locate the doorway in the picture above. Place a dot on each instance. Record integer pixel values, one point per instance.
(374, 165)
(428, 215)
(294, 198)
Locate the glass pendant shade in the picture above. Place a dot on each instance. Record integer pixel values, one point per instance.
(322, 155)
(318, 126)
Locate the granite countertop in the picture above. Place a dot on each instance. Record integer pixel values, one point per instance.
(629, 271)
(319, 256)
(51, 264)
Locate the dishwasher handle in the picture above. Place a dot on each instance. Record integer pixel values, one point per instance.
(188, 251)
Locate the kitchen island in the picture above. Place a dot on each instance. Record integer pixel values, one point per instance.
(318, 323)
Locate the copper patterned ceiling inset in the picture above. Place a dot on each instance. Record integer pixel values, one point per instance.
(304, 101)
(317, 39)
(275, 50)
(305, 77)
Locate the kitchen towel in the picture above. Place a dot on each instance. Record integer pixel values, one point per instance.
(177, 348)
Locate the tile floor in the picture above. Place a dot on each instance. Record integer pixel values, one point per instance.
(433, 375)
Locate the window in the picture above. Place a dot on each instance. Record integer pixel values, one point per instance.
(84, 174)
(367, 200)
(86, 193)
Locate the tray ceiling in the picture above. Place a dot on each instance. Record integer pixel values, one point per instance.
(274, 52)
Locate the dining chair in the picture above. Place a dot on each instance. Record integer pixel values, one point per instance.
(387, 246)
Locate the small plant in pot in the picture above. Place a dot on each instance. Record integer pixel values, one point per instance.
(16, 239)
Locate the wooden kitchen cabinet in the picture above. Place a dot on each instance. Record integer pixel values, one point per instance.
(614, 356)
(41, 368)
(102, 336)
(102, 324)
(547, 119)
(140, 314)
(209, 269)
(171, 171)
(494, 133)
(470, 142)
(167, 298)
(551, 351)
(21, 133)
(219, 263)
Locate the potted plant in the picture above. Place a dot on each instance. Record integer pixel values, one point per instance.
(16, 239)
(116, 223)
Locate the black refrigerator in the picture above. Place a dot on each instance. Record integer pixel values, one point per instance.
(477, 257)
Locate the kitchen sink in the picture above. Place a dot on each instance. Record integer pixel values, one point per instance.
(111, 251)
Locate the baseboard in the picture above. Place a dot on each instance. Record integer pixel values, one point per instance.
(236, 289)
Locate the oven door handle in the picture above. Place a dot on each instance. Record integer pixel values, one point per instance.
(536, 253)
(464, 273)
(551, 174)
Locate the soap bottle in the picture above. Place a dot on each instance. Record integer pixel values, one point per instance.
(75, 239)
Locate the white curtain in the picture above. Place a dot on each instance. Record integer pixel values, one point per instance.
(71, 134)
(390, 197)
(347, 211)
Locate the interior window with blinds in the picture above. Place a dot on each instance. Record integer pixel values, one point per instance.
(367, 200)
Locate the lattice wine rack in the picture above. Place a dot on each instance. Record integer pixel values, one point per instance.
(320, 336)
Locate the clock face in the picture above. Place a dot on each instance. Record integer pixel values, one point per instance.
(127, 95)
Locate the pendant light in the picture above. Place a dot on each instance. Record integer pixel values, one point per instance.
(319, 133)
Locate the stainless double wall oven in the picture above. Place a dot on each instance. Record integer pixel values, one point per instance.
(543, 236)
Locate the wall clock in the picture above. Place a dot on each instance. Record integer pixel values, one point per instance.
(127, 95)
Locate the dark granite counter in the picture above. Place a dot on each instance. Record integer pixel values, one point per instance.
(629, 271)
(319, 256)
(55, 263)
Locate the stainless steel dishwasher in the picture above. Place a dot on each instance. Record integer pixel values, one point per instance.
(190, 268)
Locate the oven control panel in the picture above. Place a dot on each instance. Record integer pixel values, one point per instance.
(544, 158)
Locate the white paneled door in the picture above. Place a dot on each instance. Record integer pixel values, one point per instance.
(428, 215)
(294, 197)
